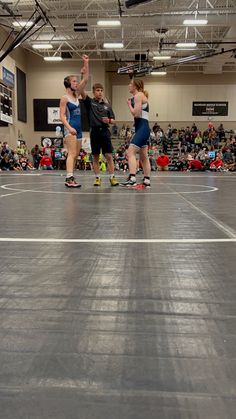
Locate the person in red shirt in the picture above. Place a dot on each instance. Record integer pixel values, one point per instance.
(195, 165)
(217, 164)
(162, 162)
(46, 162)
(210, 125)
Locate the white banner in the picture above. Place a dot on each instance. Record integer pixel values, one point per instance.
(54, 116)
(6, 118)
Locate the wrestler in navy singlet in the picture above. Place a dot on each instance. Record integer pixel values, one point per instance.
(73, 116)
(141, 125)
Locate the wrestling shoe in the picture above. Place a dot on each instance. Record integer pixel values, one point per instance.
(70, 182)
(130, 182)
(114, 181)
(97, 182)
(146, 183)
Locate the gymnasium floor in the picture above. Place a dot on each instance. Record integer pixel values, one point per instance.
(118, 304)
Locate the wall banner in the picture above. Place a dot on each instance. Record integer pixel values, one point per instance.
(210, 109)
(54, 116)
(8, 77)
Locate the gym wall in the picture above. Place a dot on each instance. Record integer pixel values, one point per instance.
(173, 103)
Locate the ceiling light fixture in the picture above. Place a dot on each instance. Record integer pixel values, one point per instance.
(158, 73)
(162, 57)
(22, 23)
(186, 45)
(54, 58)
(195, 22)
(108, 23)
(42, 46)
(113, 45)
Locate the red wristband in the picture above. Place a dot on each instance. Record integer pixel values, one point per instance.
(109, 120)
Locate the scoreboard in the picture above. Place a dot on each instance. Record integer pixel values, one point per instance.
(6, 96)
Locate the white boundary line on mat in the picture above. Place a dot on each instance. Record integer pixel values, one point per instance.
(114, 241)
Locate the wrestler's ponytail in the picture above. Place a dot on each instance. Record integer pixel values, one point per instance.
(138, 83)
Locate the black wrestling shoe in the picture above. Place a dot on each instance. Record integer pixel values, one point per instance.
(70, 182)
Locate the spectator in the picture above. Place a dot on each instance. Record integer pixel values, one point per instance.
(221, 132)
(217, 164)
(195, 165)
(188, 139)
(152, 158)
(227, 155)
(165, 144)
(5, 149)
(162, 162)
(36, 154)
(46, 162)
(198, 139)
(22, 149)
(169, 131)
(155, 127)
(25, 164)
(202, 155)
(210, 125)
(194, 130)
(5, 163)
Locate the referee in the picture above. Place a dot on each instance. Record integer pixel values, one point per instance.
(101, 116)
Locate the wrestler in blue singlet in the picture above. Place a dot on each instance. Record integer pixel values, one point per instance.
(141, 125)
(73, 116)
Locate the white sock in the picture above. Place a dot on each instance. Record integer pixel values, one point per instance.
(69, 174)
(111, 176)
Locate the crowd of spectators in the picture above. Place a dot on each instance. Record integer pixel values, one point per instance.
(21, 158)
(41, 158)
(191, 149)
(14, 159)
(183, 149)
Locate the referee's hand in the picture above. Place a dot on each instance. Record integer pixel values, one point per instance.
(106, 120)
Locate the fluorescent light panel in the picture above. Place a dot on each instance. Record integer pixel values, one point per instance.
(55, 58)
(195, 22)
(22, 23)
(108, 23)
(158, 73)
(42, 46)
(186, 45)
(113, 45)
(162, 57)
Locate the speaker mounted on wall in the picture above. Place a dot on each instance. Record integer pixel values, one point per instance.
(140, 57)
